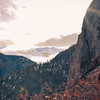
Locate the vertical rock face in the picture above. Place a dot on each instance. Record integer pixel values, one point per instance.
(88, 44)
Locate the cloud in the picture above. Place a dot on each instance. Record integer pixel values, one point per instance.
(5, 43)
(63, 41)
(6, 13)
(1, 28)
(37, 52)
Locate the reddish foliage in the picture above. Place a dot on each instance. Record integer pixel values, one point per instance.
(88, 88)
(76, 93)
(21, 96)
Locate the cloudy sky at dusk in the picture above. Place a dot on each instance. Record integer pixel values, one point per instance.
(27, 26)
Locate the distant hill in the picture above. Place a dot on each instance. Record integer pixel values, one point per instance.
(10, 64)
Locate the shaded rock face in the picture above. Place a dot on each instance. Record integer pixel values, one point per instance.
(88, 44)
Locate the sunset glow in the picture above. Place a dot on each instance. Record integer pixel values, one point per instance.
(39, 20)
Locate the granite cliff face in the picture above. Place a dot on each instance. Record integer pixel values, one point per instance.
(88, 45)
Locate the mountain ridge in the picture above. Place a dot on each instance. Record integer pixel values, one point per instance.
(11, 64)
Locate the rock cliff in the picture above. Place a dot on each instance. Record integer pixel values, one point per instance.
(88, 44)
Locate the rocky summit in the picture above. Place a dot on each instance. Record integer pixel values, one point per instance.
(87, 51)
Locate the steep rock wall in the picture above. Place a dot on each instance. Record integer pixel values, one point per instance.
(88, 44)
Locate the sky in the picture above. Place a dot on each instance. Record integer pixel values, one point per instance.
(26, 25)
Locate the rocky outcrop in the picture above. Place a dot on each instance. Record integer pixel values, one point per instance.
(88, 44)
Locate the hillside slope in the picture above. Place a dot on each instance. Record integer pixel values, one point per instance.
(34, 78)
(10, 64)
